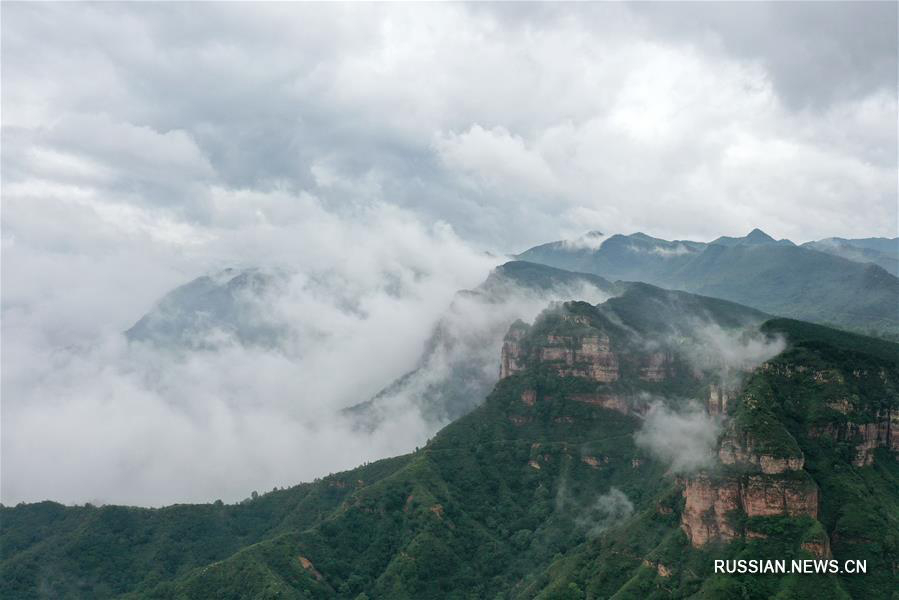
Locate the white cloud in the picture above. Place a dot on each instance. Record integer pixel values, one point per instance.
(508, 123)
(374, 152)
(501, 161)
(684, 440)
(88, 418)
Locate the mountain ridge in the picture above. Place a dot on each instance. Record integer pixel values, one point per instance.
(777, 277)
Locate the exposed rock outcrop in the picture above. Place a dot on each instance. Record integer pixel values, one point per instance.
(309, 568)
(655, 366)
(764, 496)
(713, 503)
(867, 437)
(512, 353)
(818, 548)
(610, 401)
(587, 352)
(732, 452)
(717, 403)
(707, 512)
(659, 568)
(755, 535)
(594, 461)
(529, 397)
(588, 356)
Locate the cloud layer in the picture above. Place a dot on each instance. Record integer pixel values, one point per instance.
(514, 124)
(89, 417)
(374, 152)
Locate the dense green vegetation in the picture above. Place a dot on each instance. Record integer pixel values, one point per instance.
(545, 498)
(54, 551)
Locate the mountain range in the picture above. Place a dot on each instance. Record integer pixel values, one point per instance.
(626, 446)
(456, 369)
(834, 286)
(600, 436)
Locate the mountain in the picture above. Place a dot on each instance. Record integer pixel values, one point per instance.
(619, 257)
(458, 367)
(879, 251)
(777, 277)
(626, 447)
(226, 306)
(755, 237)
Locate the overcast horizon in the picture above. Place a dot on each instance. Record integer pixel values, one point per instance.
(388, 155)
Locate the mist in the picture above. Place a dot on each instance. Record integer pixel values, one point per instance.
(682, 439)
(461, 363)
(88, 416)
(339, 306)
(731, 353)
(608, 510)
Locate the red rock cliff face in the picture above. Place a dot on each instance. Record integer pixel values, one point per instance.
(867, 437)
(512, 353)
(589, 356)
(762, 485)
(711, 504)
(764, 496)
(736, 451)
(706, 512)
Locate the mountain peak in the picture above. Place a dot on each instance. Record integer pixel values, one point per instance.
(754, 237)
(758, 236)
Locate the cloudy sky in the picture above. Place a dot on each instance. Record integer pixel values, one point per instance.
(146, 144)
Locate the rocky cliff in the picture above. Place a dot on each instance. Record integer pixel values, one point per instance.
(512, 354)
(587, 353)
(760, 467)
(715, 504)
(882, 432)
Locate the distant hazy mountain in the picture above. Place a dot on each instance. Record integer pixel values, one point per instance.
(880, 251)
(226, 306)
(775, 276)
(755, 237)
(458, 364)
